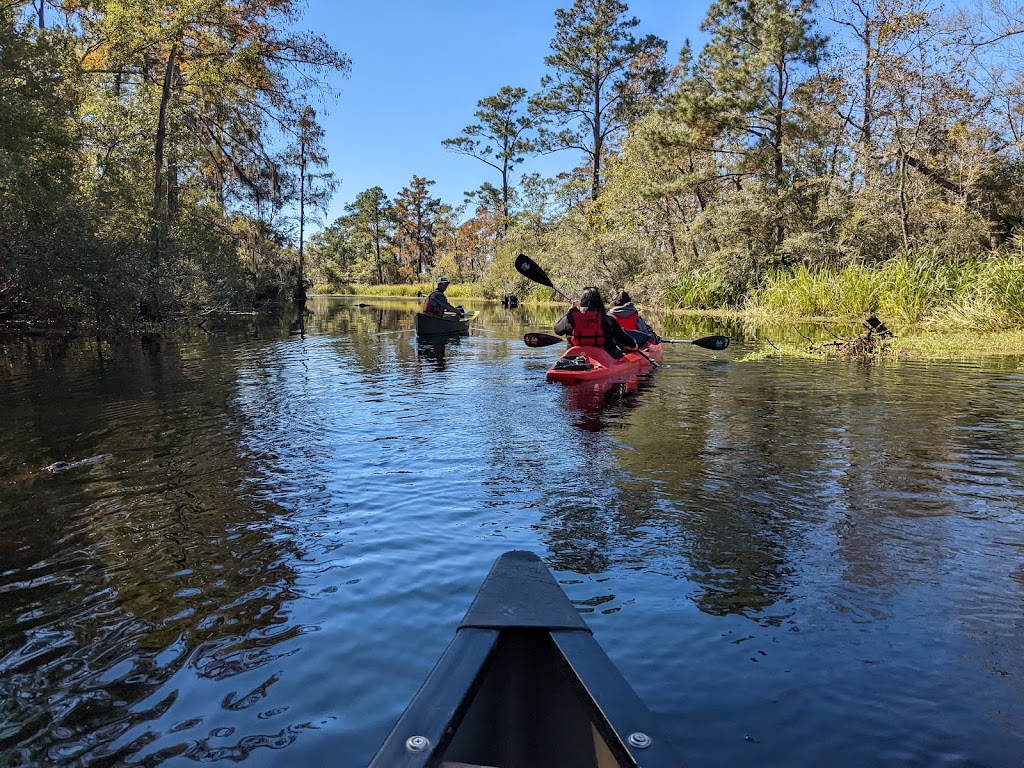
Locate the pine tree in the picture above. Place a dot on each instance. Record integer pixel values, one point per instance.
(603, 79)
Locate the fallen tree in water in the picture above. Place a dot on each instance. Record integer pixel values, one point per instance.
(865, 346)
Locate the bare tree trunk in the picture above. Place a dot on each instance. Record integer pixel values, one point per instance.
(595, 187)
(161, 129)
(172, 186)
(380, 265)
(869, 105)
(300, 278)
(904, 204)
(780, 229)
(504, 197)
(151, 302)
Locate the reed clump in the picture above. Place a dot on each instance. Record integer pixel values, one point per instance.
(915, 289)
(701, 289)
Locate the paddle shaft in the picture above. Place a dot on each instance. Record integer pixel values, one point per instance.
(645, 357)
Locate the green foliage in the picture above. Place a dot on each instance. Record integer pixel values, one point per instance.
(911, 286)
(416, 290)
(701, 289)
(602, 79)
(140, 156)
(501, 139)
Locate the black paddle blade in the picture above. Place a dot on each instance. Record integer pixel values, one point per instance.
(526, 267)
(712, 342)
(542, 339)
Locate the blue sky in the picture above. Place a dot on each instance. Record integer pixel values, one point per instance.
(420, 66)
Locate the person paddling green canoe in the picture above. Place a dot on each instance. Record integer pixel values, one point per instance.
(437, 303)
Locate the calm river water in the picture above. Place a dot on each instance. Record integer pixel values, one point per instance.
(794, 563)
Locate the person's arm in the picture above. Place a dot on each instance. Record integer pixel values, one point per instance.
(564, 325)
(641, 325)
(448, 306)
(623, 339)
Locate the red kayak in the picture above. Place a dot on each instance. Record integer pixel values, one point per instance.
(590, 363)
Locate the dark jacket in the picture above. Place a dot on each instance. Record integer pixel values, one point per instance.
(627, 310)
(614, 336)
(437, 304)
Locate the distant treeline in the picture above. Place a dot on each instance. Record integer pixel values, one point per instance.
(814, 158)
(155, 157)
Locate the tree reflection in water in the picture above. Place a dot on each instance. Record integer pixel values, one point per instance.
(164, 572)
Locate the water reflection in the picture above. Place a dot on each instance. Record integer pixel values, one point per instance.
(435, 350)
(112, 589)
(594, 405)
(280, 546)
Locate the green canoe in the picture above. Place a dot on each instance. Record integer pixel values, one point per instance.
(432, 325)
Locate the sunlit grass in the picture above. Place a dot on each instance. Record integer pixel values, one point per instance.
(792, 292)
(906, 291)
(912, 286)
(853, 292)
(958, 345)
(701, 289)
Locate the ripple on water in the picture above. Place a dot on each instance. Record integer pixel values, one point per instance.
(793, 563)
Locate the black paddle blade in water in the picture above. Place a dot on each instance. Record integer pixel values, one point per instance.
(712, 342)
(708, 342)
(542, 339)
(525, 266)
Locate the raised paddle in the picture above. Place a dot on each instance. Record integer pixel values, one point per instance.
(526, 267)
(708, 342)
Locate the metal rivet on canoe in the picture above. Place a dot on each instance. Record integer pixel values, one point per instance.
(417, 743)
(639, 740)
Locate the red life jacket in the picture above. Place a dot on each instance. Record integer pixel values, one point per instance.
(587, 329)
(628, 322)
(435, 309)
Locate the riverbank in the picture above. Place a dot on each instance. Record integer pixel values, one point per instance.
(925, 346)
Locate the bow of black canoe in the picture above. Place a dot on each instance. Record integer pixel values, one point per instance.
(524, 683)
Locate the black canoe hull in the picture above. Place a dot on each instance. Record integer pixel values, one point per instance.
(432, 325)
(524, 683)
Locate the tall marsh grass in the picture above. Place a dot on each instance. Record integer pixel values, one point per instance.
(796, 292)
(701, 289)
(913, 286)
(990, 297)
(906, 290)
